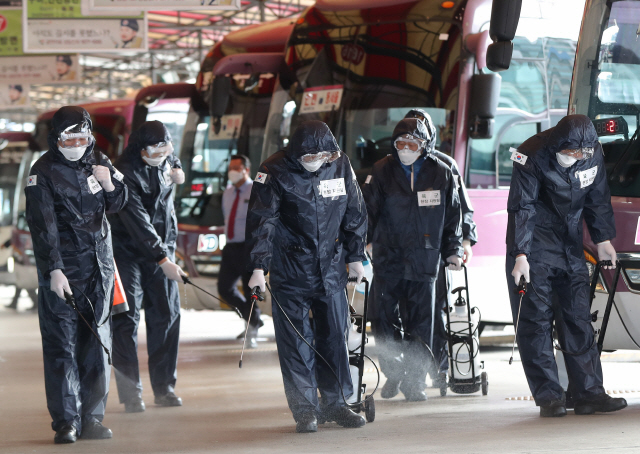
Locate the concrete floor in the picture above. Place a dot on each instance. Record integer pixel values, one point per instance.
(227, 409)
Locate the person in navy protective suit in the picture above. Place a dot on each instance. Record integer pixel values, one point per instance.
(144, 242)
(414, 220)
(69, 190)
(438, 370)
(306, 222)
(559, 181)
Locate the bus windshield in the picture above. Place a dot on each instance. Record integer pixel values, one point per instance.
(607, 87)
(365, 80)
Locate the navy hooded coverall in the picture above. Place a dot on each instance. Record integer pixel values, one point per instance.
(303, 228)
(70, 232)
(408, 243)
(144, 233)
(469, 232)
(547, 205)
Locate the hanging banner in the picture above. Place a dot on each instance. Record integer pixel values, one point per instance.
(42, 69)
(160, 5)
(16, 68)
(14, 96)
(60, 27)
(10, 32)
(85, 8)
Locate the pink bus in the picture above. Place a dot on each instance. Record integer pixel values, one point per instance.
(227, 116)
(606, 88)
(361, 65)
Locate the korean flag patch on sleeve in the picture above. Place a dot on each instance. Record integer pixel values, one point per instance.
(518, 157)
(261, 177)
(32, 181)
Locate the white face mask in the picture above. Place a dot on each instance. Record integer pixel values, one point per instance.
(312, 166)
(235, 176)
(408, 157)
(72, 154)
(155, 162)
(565, 160)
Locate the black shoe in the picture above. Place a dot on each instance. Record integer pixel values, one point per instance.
(390, 389)
(555, 410)
(134, 406)
(168, 400)
(94, 430)
(602, 403)
(307, 423)
(344, 417)
(68, 434)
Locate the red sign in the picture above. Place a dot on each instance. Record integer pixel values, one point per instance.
(352, 53)
(3, 23)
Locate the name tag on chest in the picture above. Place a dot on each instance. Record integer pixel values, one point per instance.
(428, 198)
(94, 186)
(587, 177)
(332, 188)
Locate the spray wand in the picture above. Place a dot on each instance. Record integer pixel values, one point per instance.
(256, 295)
(522, 290)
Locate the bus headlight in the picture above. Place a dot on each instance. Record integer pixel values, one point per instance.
(633, 275)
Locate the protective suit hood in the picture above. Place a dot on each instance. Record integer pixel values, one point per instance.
(310, 137)
(411, 126)
(572, 132)
(64, 118)
(431, 128)
(150, 133)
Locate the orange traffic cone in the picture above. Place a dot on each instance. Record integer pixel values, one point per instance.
(120, 304)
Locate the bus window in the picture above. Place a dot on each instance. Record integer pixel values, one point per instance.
(510, 131)
(109, 132)
(512, 138)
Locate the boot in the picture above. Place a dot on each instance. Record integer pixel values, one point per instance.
(307, 423)
(390, 389)
(168, 400)
(67, 434)
(602, 403)
(344, 417)
(135, 405)
(94, 430)
(555, 409)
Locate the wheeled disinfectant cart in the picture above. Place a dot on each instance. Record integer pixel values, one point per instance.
(466, 373)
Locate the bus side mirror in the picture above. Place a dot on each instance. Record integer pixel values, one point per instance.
(220, 94)
(485, 94)
(505, 15)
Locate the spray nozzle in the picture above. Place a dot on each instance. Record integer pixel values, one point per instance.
(185, 279)
(256, 293)
(71, 301)
(522, 286)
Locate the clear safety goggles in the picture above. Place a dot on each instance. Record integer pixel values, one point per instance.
(580, 153)
(80, 138)
(159, 150)
(408, 141)
(324, 156)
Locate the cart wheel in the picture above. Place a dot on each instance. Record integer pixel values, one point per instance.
(370, 409)
(484, 378)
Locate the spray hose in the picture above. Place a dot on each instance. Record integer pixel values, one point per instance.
(71, 301)
(335, 375)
